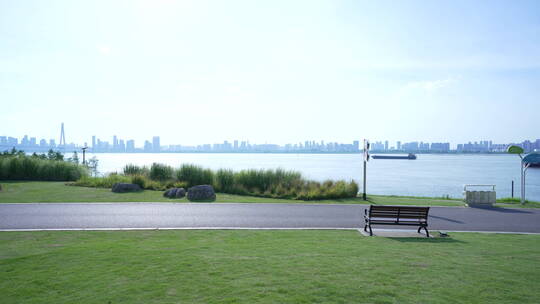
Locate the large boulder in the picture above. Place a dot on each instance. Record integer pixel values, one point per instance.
(201, 193)
(122, 187)
(175, 193)
(180, 192)
(172, 193)
(167, 193)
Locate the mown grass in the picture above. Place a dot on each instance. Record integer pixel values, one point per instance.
(516, 202)
(36, 192)
(53, 192)
(266, 267)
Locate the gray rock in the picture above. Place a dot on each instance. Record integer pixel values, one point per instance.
(0, 188)
(167, 193)
(122, 187)
(172, 193)
(201, 193)
(180, 192)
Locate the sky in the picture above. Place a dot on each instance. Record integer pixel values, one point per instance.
(197, 72)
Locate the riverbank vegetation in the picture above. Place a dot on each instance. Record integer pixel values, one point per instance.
(16, 165)
(250, 266)
(270, 183)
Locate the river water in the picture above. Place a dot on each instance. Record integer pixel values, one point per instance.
(428, 175)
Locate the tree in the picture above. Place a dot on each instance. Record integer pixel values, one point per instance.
(74, 158)
(92, 164)
(52, 155)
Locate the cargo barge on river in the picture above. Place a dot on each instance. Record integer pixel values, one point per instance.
(409, 156)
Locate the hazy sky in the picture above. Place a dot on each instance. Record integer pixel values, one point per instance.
(271, 71)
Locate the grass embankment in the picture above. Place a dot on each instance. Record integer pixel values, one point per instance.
(272, 183)
(266, 267)
(49, 192)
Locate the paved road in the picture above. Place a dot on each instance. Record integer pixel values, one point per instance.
(170, 215)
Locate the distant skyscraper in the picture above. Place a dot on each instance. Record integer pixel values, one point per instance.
(386, 145)
(398, 145)
(147, 146)
(155, 144)
(130, 145)
(121, 146)
(62, 143)
(93, 142)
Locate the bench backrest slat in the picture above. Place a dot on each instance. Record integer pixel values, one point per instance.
(404, 212)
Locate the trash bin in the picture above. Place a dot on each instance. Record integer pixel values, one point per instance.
(474, 197)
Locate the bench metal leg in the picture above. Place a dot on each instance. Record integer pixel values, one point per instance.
(425, 228)
(370, 231)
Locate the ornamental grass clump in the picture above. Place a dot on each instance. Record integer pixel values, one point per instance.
(193, 175)
(224, 181)
(131, 169)
(161, 172)
(269, 182)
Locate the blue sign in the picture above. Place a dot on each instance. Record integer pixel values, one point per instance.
(533, 159)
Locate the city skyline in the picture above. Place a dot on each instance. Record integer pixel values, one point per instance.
(153, 145)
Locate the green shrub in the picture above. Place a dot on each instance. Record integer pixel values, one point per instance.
(23, 167)
(102, 182)
(155, 185)
(140, 180)
(161, 172)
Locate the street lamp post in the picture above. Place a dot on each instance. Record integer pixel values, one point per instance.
(366, 159)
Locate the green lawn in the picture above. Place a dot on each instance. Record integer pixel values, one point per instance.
(248, 266)
(37, 192)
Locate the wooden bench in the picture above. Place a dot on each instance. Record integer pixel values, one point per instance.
(396, 215)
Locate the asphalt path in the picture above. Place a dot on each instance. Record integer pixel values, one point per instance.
(221, 215)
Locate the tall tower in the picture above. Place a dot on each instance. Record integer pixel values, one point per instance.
(155, 144)
(62, 142)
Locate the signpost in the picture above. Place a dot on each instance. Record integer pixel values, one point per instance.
(519, 150)
(366, 159)
(84, 155)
